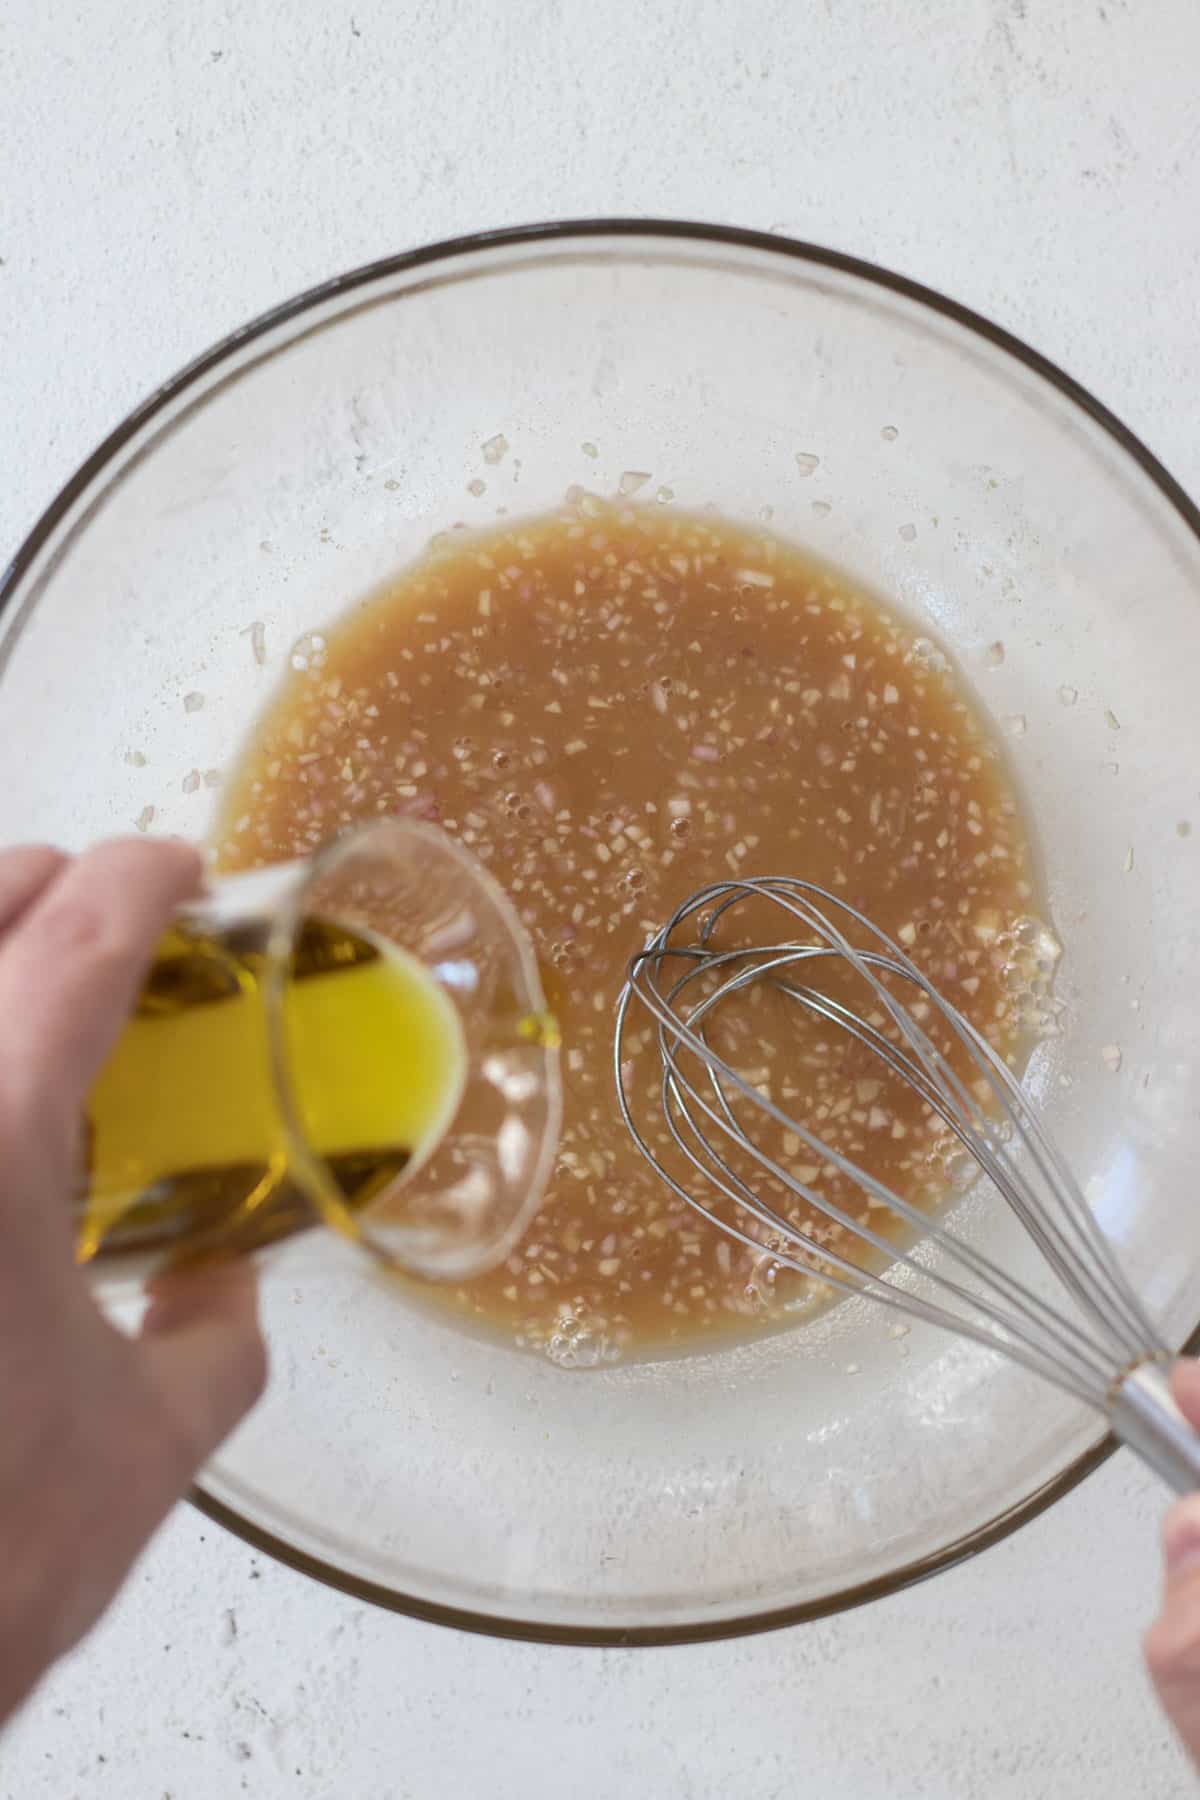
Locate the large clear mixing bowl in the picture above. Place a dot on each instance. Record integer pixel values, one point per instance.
(280, 478)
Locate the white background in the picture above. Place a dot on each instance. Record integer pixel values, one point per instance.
(166, 170)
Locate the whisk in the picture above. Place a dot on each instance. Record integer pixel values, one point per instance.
(1103, 1349)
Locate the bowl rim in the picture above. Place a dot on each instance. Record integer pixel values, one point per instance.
(558, 233)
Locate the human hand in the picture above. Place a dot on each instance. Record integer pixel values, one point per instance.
(1173, 1642)
(99, 1434)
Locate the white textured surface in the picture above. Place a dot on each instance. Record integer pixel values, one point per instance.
(165, 171)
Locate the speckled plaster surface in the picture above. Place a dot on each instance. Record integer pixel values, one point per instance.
(168, 170)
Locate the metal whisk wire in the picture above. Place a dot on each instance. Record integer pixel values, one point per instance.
(1107, 1352)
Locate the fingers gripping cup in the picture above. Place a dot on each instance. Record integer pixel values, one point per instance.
(359, 1039)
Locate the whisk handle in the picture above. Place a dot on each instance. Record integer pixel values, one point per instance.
(1145, 1417)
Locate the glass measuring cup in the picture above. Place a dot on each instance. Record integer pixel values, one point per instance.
(358, 1039)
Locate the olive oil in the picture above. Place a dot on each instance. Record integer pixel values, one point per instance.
(185, 1140)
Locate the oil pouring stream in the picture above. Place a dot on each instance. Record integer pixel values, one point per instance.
(747, 1165)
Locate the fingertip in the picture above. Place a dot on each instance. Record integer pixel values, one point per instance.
(1171, 1652)
(202, 1342)
(70, 974)
(219, 1290)
(1158, 1649)
(1185, 1388)
(189, 856)
(1171, 1647)
(197, 858)
(1181, 1537)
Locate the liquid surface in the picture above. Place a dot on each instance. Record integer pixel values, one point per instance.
(611, 708)
(186, 1150)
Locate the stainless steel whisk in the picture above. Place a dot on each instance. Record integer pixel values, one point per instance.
(1106, 1352)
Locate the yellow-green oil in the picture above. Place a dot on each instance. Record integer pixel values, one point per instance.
(186, 1150)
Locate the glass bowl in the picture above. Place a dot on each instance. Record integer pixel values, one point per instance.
(278, 479)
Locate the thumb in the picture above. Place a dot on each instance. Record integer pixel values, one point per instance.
(203, 1353)
(1185, 1387)
(1172, 1645)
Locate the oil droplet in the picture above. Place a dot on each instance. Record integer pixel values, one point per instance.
(541, 1029)
(807, 463)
